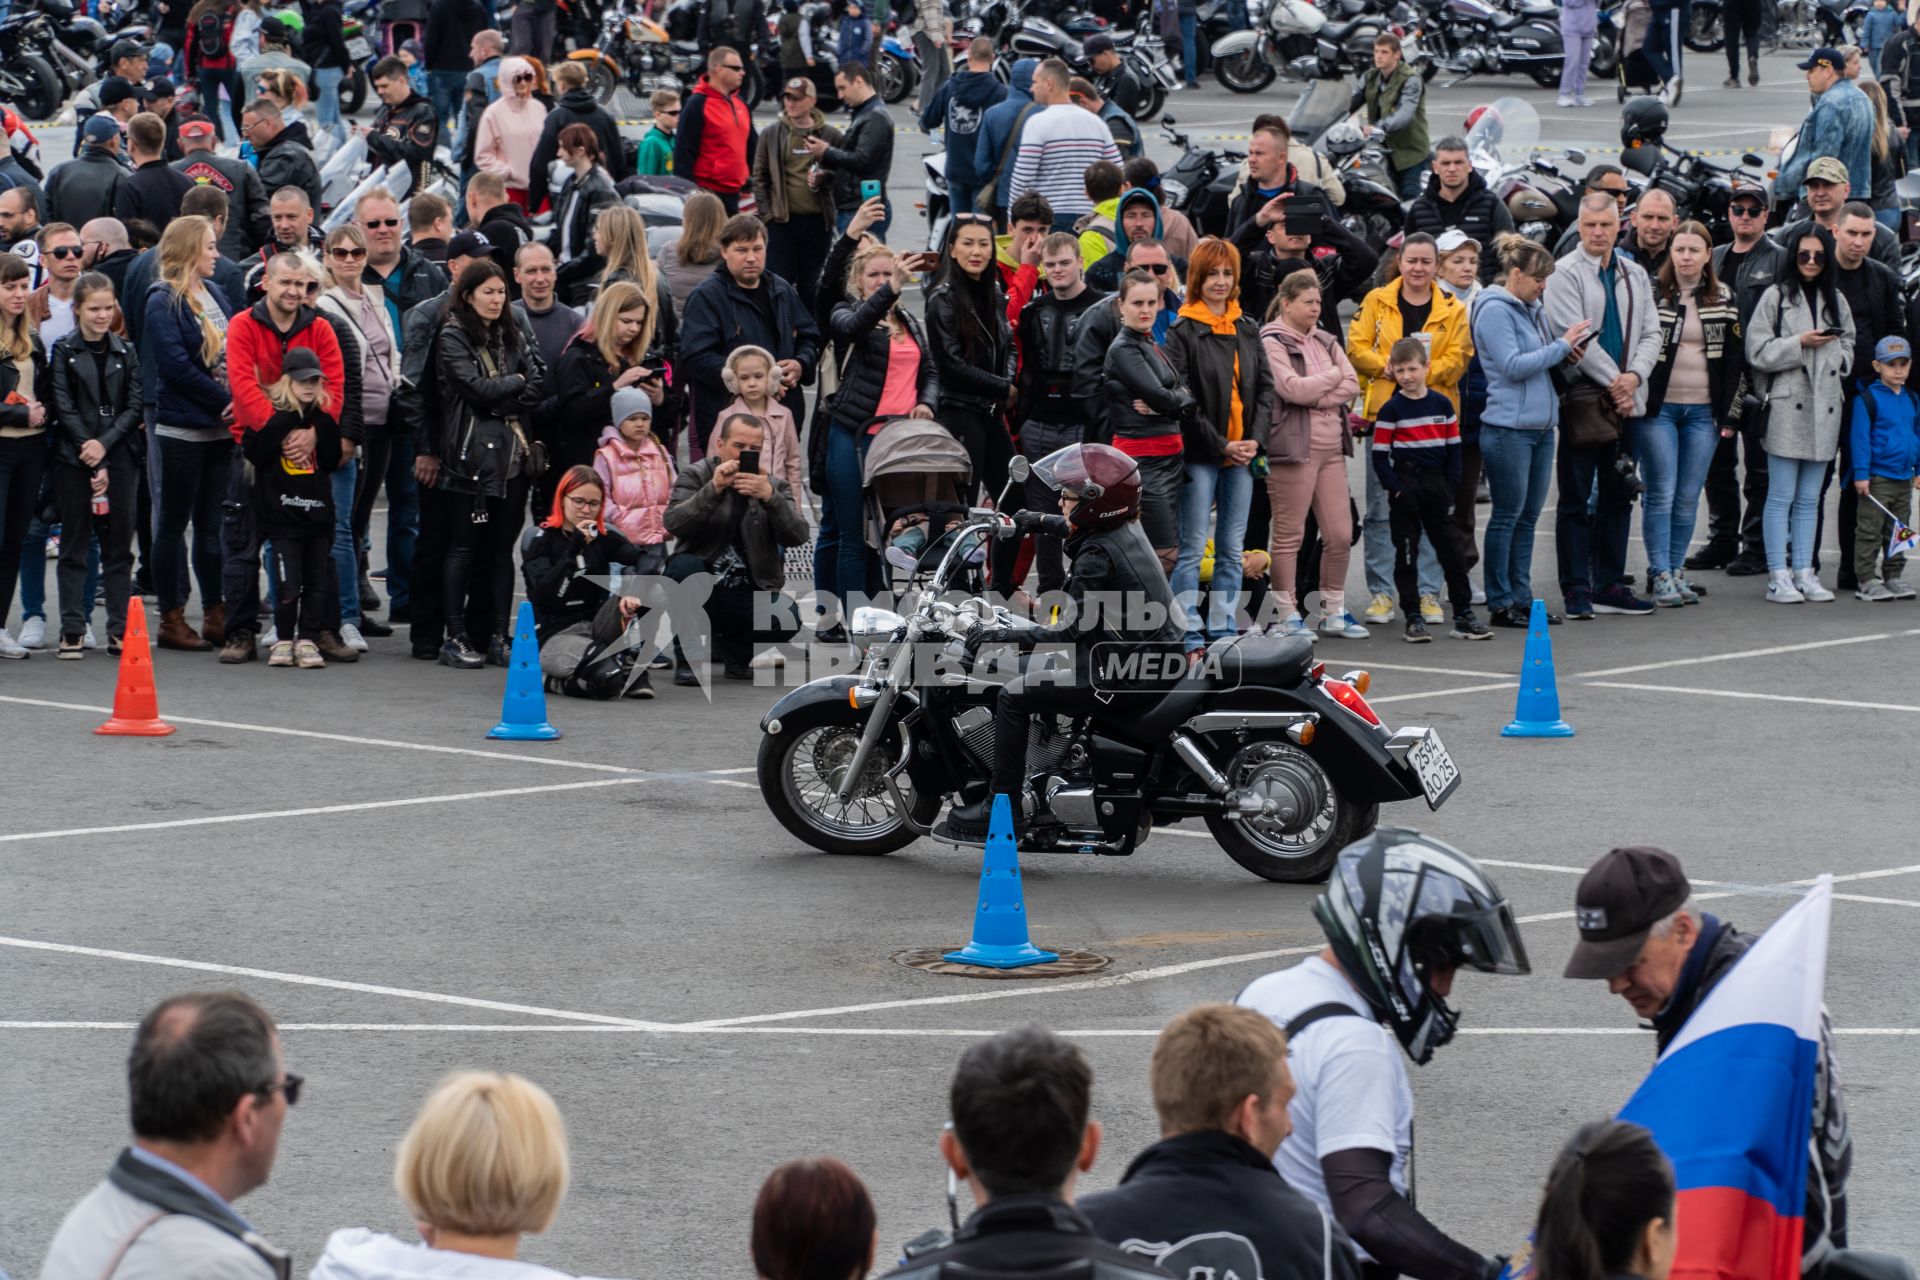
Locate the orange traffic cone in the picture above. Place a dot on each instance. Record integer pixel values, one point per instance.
(136, 706)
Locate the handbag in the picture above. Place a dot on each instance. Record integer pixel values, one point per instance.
(1587, 415)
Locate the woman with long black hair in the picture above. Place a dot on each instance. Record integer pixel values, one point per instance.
(490, 378)
(972, 347)
(1608, 1209)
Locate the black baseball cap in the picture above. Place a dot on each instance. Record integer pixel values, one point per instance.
(115, 90)
(469, 244)
(301, 364)
(1100, 42)
(1620, 899)
(126, 49)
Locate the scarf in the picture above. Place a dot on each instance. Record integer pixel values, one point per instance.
(1223, 325)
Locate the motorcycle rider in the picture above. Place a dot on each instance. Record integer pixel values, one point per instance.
(1111, 76)
(406, 129)
(1121, 601)
(1402, 914)
(1458, 197)
(1392, 94)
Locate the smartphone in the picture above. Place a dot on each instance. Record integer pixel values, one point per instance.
(750, 462)
(1834, 331)
(869, 189)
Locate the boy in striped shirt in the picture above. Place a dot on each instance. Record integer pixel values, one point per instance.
(1416, 454)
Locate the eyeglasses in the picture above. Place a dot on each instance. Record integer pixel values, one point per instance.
(1812, 256)
(1745, 210)
(67, 251)
(289, 1086)
(584, 504)
(373, 223)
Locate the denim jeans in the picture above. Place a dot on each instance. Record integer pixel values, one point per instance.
(1675, 445)
(326, 111)
(346, 557)
(843, 564)
(1215, 501)
(878, 230)
(33, 569)
(1592, 538)
(1377, 546)
(1519, 467)
(1190, 48)
(444, 89)
(1410, 183)
(1793, 492)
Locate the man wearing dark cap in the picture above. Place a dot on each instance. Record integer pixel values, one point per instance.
(127, 62)
(161, 99)
(249, 224)
(83, 189)
(1111, 77)
(798, 213)
(1840, 125)
(119, 98)
(1640, 935)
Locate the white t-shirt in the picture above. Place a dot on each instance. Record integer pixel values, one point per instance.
(1350, 1079)
(59, 322)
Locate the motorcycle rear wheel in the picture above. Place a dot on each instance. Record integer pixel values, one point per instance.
(1546, 74)
(1245, 72)
(800, 768)
(1605, 62)
(1303, 857)
(38, 95)
(1156, 99)
(894, 77)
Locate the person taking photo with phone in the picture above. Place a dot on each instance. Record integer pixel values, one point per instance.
(860, 164)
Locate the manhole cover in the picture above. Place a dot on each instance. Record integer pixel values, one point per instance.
(1071, 964)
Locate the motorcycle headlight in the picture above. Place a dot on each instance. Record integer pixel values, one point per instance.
(1173, 194)
(871, 626)
(1540, 232)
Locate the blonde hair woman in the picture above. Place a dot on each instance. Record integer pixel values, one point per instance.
(484, 1163)
(609, 354)
(186, 330)
(23, 432)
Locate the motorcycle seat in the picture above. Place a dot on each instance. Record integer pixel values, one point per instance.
(1242, 660)
(1507, 21)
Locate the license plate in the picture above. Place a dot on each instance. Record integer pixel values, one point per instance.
(1437, 772)
(358, 49)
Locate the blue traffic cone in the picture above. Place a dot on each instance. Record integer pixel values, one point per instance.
(1000, 919)
(1536, 713)
(523, 712)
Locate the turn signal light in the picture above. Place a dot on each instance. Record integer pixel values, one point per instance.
(1360, 681)
(1302, 733)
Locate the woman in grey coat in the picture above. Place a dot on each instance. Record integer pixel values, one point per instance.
(1800, 349)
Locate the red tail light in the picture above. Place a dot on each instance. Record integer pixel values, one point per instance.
(1349, 698)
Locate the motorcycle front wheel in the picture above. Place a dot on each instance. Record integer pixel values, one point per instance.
(894, 77)
(1704, 33)
(602, 81)
(1263, 845)
(800, 769)
(31, 85)
(1245, 72)
(1606, 56)
(353, 92)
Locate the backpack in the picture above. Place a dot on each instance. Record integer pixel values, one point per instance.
(210, 35)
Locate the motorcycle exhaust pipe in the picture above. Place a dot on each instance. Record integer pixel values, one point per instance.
(1189, 751)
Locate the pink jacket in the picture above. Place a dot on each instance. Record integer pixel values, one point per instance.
(782, 459)
(639, 483)
(509, 131)
(1315, 381)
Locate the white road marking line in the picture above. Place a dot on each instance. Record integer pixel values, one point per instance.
(1743, 653)
(1444, 693)
(336, 984)
(1431, 671)
(1891, 902)
(1757, 697)
(222, 818)
(972, 1033)
(1532, 866)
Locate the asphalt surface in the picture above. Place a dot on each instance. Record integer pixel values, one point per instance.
(409, 898)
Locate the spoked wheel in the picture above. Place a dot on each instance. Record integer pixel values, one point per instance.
(602, 81)
(1244, 72)
(1306, 823)
(800, 771)
(1704, 33)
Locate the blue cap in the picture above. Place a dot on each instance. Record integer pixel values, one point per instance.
(1892, 348)
(99, 127)
(1829, 55)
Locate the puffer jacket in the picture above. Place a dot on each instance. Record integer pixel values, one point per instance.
(1209, 362)
(1518, 354)
(1300, 396)
(1377, 327)
(639, 483)
(1135, 369)
(1478, 212)
(287, 161)
(702, 520)
(858, 329)
(479, 450)
(1805, 387)
(980, 386)
(87, 406)
(1726, 354)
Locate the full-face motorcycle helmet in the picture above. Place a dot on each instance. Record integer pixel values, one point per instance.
(1643, 120)
(1344, 139)
(1105, 480)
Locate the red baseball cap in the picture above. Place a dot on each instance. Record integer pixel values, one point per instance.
(196, 127)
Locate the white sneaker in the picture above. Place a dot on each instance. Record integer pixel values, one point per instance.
(87, 641)
(272, 637)
(1900, 589)
(351, 637)
(770, 658)
(1479, 595)
(1564, 102)
(1808, 583)
(11, 648)
(33, 633)
(1780, 589)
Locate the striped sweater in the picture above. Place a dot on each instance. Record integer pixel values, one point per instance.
(1056, 146)
(1422, 435)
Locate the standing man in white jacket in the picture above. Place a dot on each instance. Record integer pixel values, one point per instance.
(1595, 282)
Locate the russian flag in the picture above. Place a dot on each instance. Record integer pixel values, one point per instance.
(1731, 1103)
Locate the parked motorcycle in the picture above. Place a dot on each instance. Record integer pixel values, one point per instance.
(1701, 188)
(1199, 183)
(28, 80)
(1372, 209)
(1286, 764)
(896, 70)
(1019, 34)
(1503, 143)
(1475, 37)
(633, 50)
(1298, 40)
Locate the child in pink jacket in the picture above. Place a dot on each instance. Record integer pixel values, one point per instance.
(637, 472)
(749, 374)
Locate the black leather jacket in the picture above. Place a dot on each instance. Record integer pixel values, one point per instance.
(979, 386)
(1047, 364)
(90, 407)
(859, 328)
(406, 134)
(1136, 369)
(596, 191)
(1121, 86)
(1030, 1235)
(479, 451)
(1093, 334)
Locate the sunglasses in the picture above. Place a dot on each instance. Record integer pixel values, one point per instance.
(67, 251)
(733, 66)
(675, 113)
(380, 222)
(290, 1086)
(347, 251)
(525, 77)
(1158, 268)
(1812, 255)
(1745, 210)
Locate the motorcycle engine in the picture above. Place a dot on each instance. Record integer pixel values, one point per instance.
(1049, 739)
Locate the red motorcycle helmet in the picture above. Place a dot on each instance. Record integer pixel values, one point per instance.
(1105, 480)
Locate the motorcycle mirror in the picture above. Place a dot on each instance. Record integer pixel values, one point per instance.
(1751, 160)
(1168, 120)
(1020, 468)
(1576, 156)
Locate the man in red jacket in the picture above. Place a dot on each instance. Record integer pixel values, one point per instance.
(714, 147)
(257, 343)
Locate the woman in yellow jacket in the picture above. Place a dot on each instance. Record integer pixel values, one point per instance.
(1411, 305)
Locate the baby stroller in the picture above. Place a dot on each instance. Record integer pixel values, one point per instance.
(917, 479)
(1635, 73)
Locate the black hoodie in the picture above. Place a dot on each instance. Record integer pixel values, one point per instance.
(576, 106)
(506, 227)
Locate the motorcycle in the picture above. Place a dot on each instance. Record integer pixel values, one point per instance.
(633, 50)
(1294, 38)
(1475, 37)
(28, 80)
(1285, 763)
(1502, 143)
(1701, 189)
(1200, 182)
(689, 59)
(896, 70)
(1372, 209)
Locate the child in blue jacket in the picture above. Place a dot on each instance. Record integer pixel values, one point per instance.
(856, 34)
(1885, 448)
